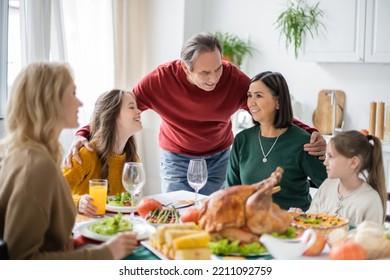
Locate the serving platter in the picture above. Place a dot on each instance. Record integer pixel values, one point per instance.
(322, 222)
(143, 230)
(161, 256)
(156, 252)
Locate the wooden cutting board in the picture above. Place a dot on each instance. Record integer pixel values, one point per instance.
(323, 114)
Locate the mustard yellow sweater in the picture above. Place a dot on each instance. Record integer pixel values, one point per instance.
(79, 175)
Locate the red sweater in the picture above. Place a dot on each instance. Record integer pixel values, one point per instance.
(194, 122)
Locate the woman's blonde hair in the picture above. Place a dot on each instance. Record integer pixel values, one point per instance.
(34, 107)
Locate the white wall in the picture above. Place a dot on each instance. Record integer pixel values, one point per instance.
(165, 38)
(362, 83)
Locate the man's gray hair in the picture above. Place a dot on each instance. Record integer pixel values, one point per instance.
(202, 42)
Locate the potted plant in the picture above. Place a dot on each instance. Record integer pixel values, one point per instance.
(234, 49)
(298, 19)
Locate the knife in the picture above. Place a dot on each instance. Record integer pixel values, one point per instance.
(180, 205)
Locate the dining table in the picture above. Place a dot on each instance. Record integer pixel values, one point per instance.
(168, 199)
(145, 252)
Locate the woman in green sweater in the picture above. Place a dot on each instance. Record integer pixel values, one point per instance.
(274, 141)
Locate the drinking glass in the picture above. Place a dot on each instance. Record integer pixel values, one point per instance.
(98, 191)
(197, 176)
(133, 179)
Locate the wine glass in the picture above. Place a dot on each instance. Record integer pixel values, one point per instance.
(133, 179)
(197, 176)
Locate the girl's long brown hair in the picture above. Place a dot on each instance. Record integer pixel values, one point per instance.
(103, 128)
(369, 150)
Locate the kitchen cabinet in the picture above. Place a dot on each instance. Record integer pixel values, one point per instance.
(355, 31)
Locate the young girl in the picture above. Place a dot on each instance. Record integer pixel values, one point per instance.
(37, 213)
(355, 188)
(116, 119)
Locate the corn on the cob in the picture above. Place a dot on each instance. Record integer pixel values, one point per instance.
(159, 236)
(171, 234)
(195, 240)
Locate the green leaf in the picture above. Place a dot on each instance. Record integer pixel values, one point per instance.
(234, 47)
(297, 20)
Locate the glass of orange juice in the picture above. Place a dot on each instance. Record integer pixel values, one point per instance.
(98, 191)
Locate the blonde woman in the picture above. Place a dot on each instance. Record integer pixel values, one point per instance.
(35, 199)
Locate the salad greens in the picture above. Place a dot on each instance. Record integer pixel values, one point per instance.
(226, 247)
(112, 225)
(120, 199)
(290, 233)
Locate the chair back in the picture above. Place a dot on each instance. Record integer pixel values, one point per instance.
(3, 250)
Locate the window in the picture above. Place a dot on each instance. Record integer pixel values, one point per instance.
(10, 50)
(87, 25)
(14, 43)
(3, 54)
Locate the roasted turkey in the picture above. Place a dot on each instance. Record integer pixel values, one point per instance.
(245, 212)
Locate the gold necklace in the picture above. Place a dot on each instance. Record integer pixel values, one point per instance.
(261, 146)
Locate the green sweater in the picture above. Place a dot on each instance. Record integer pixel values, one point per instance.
(246, 164)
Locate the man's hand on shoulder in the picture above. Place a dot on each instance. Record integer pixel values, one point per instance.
(317, 145)
(77, 143)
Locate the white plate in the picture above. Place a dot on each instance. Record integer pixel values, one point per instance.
(143, 230)
(120, 209)
(173, 198)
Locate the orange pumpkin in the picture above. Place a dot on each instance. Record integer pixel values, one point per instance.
(347, 251)
(146, 205)
(190, 215)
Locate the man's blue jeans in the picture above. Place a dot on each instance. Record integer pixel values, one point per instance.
(173, 171)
